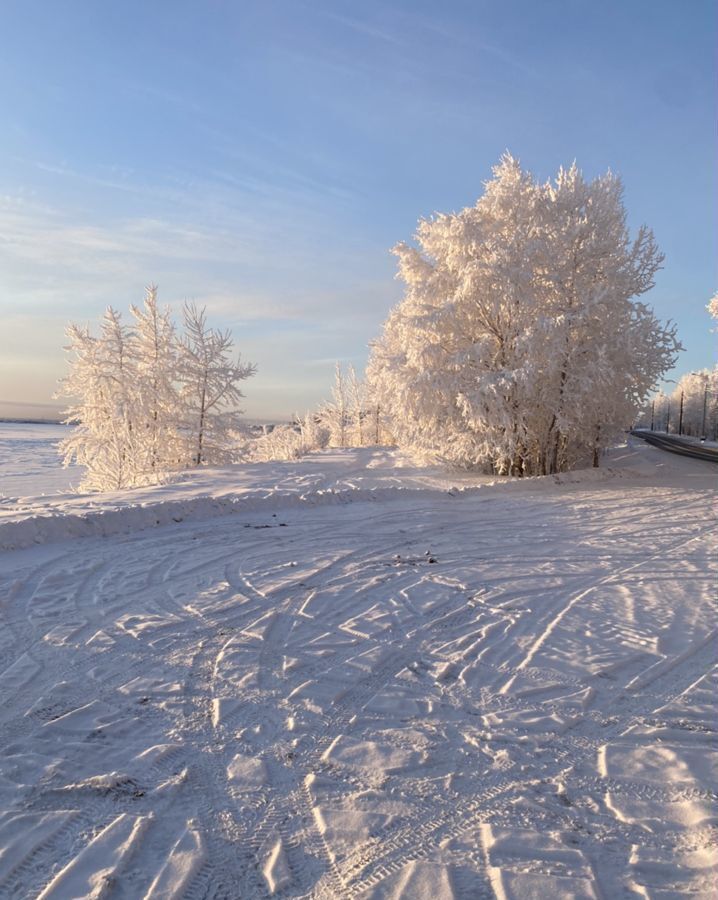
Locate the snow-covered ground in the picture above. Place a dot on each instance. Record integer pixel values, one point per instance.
(348, 678)
(29, 461)
(324, 478)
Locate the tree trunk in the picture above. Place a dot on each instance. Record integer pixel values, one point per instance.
(201, 424)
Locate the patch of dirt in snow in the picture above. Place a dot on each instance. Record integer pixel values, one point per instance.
(511, 696)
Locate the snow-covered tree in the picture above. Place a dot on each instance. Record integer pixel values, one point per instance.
(377, 426)
(144, 401)
(209, 389)
(520, 345)
(335, 414)
(694, 403)
(356, 391)
(661, 409)
(156, 371)
(103, 386)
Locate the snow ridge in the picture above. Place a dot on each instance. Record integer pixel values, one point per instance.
(20, 530)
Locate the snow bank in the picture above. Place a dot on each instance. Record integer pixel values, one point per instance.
(151, 507)
(326, 478)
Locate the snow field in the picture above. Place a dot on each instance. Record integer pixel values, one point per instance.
(505, 694)
(29, 460)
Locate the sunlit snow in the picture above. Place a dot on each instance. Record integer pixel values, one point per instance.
(346, 677)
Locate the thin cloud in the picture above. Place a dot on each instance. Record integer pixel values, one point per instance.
(365, 28)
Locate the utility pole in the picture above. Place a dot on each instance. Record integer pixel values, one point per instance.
(705, 401)
(680, 416)
(653, 411)
(668, 417)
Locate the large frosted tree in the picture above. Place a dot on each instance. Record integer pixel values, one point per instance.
(521, 344)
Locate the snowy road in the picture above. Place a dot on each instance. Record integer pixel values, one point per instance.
(431, 697)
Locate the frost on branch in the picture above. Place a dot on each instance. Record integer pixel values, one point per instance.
(147, 401)
(520, 345)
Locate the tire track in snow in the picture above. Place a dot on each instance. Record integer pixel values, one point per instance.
(682, 673)
(209, 747)
(557, 614)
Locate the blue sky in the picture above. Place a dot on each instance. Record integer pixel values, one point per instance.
(262, 158)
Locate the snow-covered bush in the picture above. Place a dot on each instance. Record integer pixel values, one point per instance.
(292, 441)
(519, 345)
(146, 400)
(283, 442)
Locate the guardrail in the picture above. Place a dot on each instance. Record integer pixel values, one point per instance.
(676, 444)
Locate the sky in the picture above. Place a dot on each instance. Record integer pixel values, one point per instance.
(261, 158)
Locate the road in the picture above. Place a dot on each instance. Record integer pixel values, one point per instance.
(678, 444)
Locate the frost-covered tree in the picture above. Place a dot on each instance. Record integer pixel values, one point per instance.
(377, 427)
(103, 386)
(157, 371)
(209, 389)
(520, 344)
(145, 401)
(347, 415)
(335, 414)
(694, 403)
(661, 410)
(356, 392)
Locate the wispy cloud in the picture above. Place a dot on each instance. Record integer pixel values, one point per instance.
(246, 268)
(44, 236)
(368, 29)
(468, 40)
(281, 302)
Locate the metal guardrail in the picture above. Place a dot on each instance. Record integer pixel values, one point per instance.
(676, 444)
